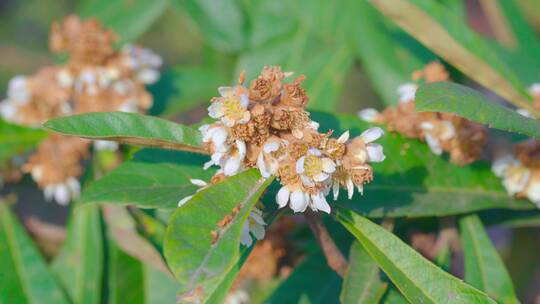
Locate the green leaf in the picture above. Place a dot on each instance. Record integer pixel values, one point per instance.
(127, 18)
(152, 179)
(393, 297)
(362, 282)
(414, 182)
(24, 276)
(79, 267)
(473, 105)
(448, 36)
(199, 261)
(418, 279)
(509, 218)
(15, 140)
(220, 22)
(129, 128)
(311, 282)
(484, 267)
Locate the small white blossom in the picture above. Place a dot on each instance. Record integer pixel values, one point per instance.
(515, 176)
(144, 62)
(230, 108)
(64, 192)
(407, 92)
(313, 167)
(270, 156)
(299, 200)
(448, 131)
(368, 114)
(105, 145)
(254, 226)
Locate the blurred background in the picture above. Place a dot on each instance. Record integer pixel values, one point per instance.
(209, 44)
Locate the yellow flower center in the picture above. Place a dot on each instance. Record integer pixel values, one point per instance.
(313, 165)
(232, 108)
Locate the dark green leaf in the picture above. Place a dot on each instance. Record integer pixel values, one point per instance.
(153, 179)
(200, 261)
(128, 18)
(418, 279)
(80, 264)
(484, 267)
(473, 105)
(509, 218)
(362, 282)
(15, 140)
(24, 276)
(129, 128)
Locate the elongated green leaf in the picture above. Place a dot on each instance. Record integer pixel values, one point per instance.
(129, 128)
(127, 18)
(24, 276)
(311, 282)
(16, 139)
(199, 260)
(508, 218)
(484, 267)
(449, 37)
(362, 283)
(80, 264)
(418, 279)
(414, 182)
(473, 105)
(393, 297)
(153, 179)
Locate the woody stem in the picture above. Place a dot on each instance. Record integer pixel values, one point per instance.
(334, 257)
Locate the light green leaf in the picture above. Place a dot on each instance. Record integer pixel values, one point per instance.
(200, 261)
(414, 182)
(473, 105)
(393, 297)
(127, 18)
(15, 139)
(448, 36)
(312, 282)
(24, 276)
(129, 128)
(484, 267)
(80, 264)
(418, 279)
(153, 179)
(362, 282)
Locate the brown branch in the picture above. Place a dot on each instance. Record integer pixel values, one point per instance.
(334, 257)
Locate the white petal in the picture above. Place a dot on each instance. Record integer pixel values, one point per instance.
(198, 182)
(184, 200)
(320, 203)
(244, 101)
(314, 151)
(375, 153)
(307, 181)
(245, 237)
(257, 231)
(219, 135)
(525, 113)
(271, 146)
(335, 190)
(8, 111)
(61, 194)
(215, 110)
(245, 119)
(350, 188)
(300, 165)
(74, 187)
(261, 164)
(517, 182)
(208, 164)
(256, 215)
(406, 92)
(226, 91)
(228, 122)
(314, 125)
(360, 189)
(344, 137)
(328, 165)
(282, 197)
(298, 201)
(232, 166)
(433, 144)
(49, 193)
(428, 126)
(449, 131)
(241, 146)
(500, 165)
(321, 177)
(371, 134)
(368, 115)
(534, 89)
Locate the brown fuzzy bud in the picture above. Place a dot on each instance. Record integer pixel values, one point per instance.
(294, 95)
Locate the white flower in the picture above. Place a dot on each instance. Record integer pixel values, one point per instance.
(197, 182)
(238, 296)
(230, 108)
(406, 92)
(299, 200)
(18, 90)
(515, 176)
(64, 192)
(368, 115)
(534, 89)
(525, 113)
(8, 111)
(130, 106)
(87, 82)
(105, 145)
(373, 152)
(144, 62)
(65, 80)
(433, 134)
(270, 156)
(313, 167)
(253, 226)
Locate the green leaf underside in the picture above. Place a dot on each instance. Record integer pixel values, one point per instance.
(419, 280)
(473, 105)
(311, 282)
(127, 18)
(484, 267)
(153, 179)
(444, 33)
(362, 282)
(17, 139)
(79, 267)
(24, 276)
(200, 266)
(129, 128)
